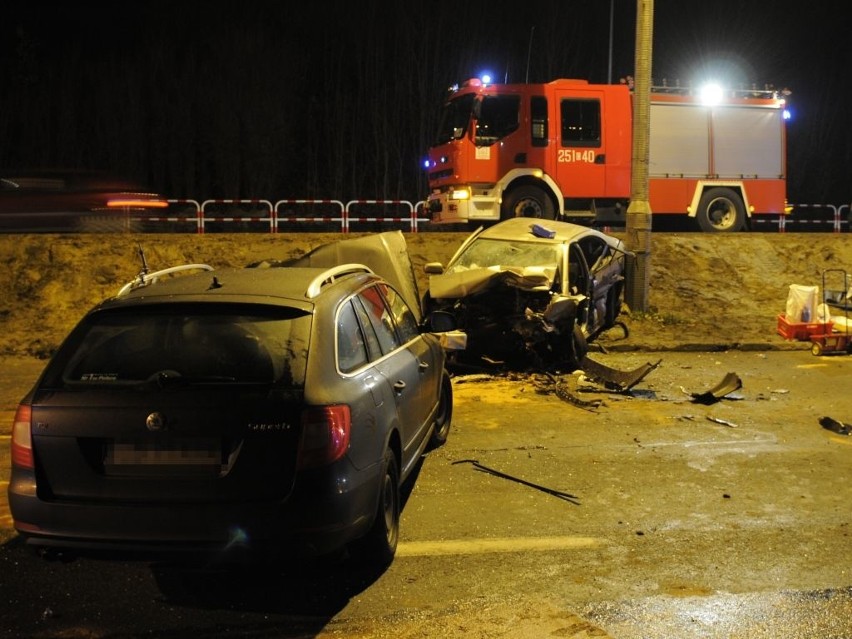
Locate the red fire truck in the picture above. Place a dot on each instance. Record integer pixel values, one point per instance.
(562, 150)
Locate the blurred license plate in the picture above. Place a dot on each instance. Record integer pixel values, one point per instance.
(190, 451)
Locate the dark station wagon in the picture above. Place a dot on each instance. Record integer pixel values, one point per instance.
(256, 409)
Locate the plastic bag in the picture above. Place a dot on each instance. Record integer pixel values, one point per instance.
(801, 303)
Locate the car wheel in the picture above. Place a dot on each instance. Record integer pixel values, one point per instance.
(613, 305)
(444, 415)
(378, 546)
(721, 210)
(527, 201)
(579, 345)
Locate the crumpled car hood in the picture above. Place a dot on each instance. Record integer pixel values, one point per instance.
(464, 283)
(384, 253)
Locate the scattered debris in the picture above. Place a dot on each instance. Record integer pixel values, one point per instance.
(835, 426)
(482, 377)
(550, 491)
(729, 384)
(562, 392)
(614, 379)
(724, 422)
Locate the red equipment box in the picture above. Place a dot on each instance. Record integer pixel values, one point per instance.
(802, 331)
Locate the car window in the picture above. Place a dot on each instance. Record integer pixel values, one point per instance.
(374, 349)
(351, 345)
(596, 251)
(403, 317)
(210, 345)
(379, 318)
(578, 270)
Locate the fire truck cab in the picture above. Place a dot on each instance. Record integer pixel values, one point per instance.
(563, 150)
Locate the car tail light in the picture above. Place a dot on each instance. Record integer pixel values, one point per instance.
(325, 435)
(22, 439)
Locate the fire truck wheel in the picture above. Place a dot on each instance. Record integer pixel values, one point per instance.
(527, 201)
(721, 210)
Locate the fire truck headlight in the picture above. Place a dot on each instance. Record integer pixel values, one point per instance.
(460, 194)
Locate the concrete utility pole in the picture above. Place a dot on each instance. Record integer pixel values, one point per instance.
(638, 237)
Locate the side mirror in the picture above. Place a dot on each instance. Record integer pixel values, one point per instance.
(433, 268)
(440, 322)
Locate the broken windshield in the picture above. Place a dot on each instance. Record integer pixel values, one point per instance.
(500, 254)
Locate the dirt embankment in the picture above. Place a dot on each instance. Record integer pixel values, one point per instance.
(705, 291)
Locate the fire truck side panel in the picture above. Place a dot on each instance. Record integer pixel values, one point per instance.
(670, 195)
(695, 147)
(748, 142)
(766, 196)
(679, 143)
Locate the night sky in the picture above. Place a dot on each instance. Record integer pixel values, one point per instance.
(251, 99)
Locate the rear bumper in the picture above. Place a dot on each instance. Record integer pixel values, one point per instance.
(321, 515)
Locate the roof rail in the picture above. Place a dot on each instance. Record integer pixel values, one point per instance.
(145, 279)
(328, 276)
(768, 92)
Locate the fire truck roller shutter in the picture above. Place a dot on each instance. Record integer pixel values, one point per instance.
(527, 201)
(721, 210)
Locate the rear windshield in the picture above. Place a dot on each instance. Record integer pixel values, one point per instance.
(212, 344)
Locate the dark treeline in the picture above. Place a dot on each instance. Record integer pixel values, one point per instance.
(249, 99)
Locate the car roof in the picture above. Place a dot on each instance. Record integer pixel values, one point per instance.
(292, 286)
(520, 228)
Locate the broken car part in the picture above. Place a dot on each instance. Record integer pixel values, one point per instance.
(730, 383)
(835, 426)
(550, 491)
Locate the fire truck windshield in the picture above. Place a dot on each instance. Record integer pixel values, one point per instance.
(455, 118)
(497, 117)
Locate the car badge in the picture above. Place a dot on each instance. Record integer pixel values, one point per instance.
(155, 422)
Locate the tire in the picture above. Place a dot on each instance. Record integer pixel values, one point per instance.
(527, 201)
(613, 305)
(816, 349)
(721, 210)
(445, 414)
(378, 546)
(579, 346)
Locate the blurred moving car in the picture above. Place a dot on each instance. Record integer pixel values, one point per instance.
(530, 293)
(61, 201)
(265, 409)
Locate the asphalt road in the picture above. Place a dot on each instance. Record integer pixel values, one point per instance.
(618, 514)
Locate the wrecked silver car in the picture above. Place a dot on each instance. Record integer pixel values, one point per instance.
(530, 295)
